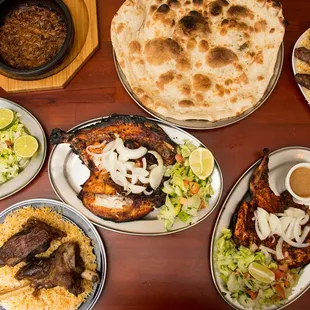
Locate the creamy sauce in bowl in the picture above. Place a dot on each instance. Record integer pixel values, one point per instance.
(300, 182)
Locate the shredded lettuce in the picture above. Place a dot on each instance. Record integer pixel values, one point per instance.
(233, 265)
(10, 163)
(186, 193)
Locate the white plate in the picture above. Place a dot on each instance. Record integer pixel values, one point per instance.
(203, 124)
(67, 173)
(280, 162)
(28, 173)
(305, 91)
(70, 214)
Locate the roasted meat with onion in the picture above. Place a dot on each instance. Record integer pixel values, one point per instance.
(34, 238)
(262, 196)
(63, 268)
(113, 149)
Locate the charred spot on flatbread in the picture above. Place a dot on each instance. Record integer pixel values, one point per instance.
(201, 82)
(216, 8)
(186, 103)
(161, 50)
(220, 57)
(193, 24)
(239, 11)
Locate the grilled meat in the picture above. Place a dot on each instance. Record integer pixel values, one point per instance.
(303, 54)
(136, 130)
(34, 238)
(99, 193)
(63, 268)
(262, 196)
(303, 80)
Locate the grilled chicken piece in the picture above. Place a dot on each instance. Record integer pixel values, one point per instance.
(263, 197)
(34, 238)
(99, 193)
(136, 130)
(303, 54)
(303, 80)
(63, 268)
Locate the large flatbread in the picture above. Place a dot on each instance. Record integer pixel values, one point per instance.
(198, 59)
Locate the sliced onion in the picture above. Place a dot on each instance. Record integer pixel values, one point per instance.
(158, 157)
(285, 222)
(110, 147)
(279, 251)
(263, 224)
(305, 220)
(148, 193)
(144, 163)
(295, 244)
(275, 225)
(156, 176)
(136, 189)
(289, 234)
(271, 251)
(304, 234)
(297, 230)
(126, 153)
(260, 236)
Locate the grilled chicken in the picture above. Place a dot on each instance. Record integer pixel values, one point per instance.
(63, 268)
(34, 238)
(263, 197)
(99, 193)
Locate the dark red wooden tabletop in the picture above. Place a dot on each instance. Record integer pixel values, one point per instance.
(170, 272)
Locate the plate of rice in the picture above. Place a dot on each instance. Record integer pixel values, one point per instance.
(79, 230)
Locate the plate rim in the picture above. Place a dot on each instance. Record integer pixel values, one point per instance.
(89, 122)
(44, 149)
(230, 121)
(62, 204)
(297, 43)
(212, 243)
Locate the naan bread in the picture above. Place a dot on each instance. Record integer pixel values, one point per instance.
(198, 59)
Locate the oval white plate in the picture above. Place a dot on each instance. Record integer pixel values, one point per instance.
(67, 173)
(70, 214)
(28, 173)
(280, 162)
(305, 91)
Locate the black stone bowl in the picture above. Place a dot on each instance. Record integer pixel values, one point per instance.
(6, 6)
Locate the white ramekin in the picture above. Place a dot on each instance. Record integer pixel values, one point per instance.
(302, 200)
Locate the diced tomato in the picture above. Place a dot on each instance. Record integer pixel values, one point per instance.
(186, 182)
(252, 294)
(246, 275)
(183, 200)
(202, 205)
(179, 158)
(279, 274)
(284, 267)
(279, 290)
(194, 188)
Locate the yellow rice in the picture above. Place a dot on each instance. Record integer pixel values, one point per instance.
(57, 298)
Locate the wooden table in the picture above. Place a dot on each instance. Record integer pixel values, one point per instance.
(170, 272)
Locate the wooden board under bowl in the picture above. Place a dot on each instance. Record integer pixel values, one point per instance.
(86, 42)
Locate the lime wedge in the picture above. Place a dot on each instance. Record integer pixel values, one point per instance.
(26, 146)
(261, 273)
(201, 162)
(6, 118)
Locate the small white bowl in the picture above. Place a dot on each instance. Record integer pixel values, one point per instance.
(302, 200)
